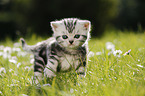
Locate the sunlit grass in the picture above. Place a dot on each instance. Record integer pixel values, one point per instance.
(107, 74)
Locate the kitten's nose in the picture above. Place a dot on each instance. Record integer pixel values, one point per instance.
(71, 41)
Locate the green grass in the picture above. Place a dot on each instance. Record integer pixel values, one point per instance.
(107, 75)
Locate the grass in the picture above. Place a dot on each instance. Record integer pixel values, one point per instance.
(107, 75)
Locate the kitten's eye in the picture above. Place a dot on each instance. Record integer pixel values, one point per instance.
(77, 36)
(64, 36)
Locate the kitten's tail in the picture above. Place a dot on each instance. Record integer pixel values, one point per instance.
(23, 42)
(37, 47)
(26, 47)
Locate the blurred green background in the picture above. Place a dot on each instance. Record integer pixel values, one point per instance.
(21, 18)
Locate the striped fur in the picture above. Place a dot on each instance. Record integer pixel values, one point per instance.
(65, 51)
(70, 24)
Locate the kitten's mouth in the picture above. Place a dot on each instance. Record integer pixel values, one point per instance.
(72, 46)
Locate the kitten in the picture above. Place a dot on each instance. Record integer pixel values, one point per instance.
(66, 50)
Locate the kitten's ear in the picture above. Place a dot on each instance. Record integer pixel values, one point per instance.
(54, 25)
(86, 24)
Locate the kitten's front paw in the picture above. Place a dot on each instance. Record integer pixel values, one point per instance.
(49, 73)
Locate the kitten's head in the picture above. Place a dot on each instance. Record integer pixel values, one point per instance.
(71, 32)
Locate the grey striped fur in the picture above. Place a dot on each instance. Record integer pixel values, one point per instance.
(57, 54)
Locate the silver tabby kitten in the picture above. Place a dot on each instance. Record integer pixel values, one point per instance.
(66, 50)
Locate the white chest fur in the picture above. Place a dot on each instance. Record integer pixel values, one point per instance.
(69, 61)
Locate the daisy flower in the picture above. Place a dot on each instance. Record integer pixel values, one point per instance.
(110, 46)
(117, 53)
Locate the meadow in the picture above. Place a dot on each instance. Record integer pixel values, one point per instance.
(116, 67)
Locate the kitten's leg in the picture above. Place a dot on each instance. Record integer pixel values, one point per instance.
(51, 67)
(81, 70)
(38, 69)
(37, 77)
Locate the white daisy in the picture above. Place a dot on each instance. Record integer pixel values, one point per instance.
(7, 50)
(1, 53)
(117, 53)
(1, 93)
(18, 65)
(110, 46)
(2, 47)
(98, 53)
(32, 61)
(6, 55)
(2, 70)
(27, 68)
(13, 61)
(91, 54)
(17, 44)
(23, 54)
(16, 49)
